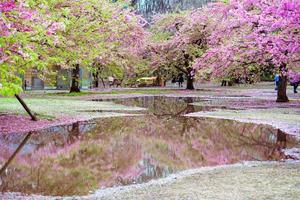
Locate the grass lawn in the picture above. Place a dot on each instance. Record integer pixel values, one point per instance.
(259, 181)
(127, 91)
(287, 119)
(53, 108)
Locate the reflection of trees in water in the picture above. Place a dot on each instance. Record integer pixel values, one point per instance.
(135, 148)
(120, 150)
(163, 106)
(231, 136)
(74, 133)
(270, 142)
(56, 136)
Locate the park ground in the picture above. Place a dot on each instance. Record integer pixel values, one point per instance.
(245, 103)
(253, 180)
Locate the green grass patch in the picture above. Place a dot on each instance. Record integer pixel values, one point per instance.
(52, 108)
(286, 119)
(72, 94)
(129, 91)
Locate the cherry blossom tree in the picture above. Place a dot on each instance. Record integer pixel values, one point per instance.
(121, 54)
(179, 39)
(65, 34)
(254, 34)
(94, 32)
(170, 53)
(22, 29)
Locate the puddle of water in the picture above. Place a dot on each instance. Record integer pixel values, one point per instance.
(85, 156)
(161, 105)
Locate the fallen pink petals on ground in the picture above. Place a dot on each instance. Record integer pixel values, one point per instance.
(24, 124)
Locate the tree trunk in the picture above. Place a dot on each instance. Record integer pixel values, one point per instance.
(158, 81)
(281, 94)
(75, 79)
(33, 117)
(24, 141)
(103, 83)
(96, 79)
(190, 79)
(190, 84)
(20, 147)
(96, 83)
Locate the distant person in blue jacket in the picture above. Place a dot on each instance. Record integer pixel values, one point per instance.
(276, 79)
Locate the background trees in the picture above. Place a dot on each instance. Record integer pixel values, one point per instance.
(254, 35)
(242, 39)
(67, 35)
(95, 33)
(172, 48)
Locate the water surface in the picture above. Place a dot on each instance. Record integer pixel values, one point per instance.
(79, 158)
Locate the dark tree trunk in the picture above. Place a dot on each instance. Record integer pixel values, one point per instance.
(158, 80)
(281, 94)
(33, 117)
(190, 84)
(96, 79)
(190, 79)
(75, 79)
(24, 141)
(19, 148)
(103, 83)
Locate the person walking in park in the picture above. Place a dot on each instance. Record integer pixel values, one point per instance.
(295, 80)
(25, 85)
(224, 83)
(276, 79)
(180, 80)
